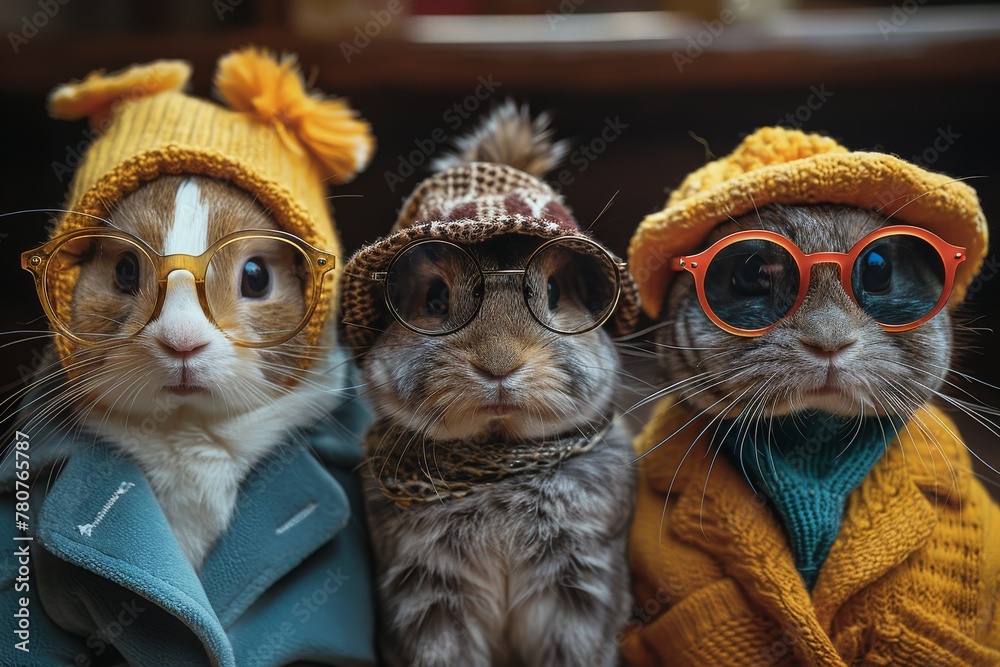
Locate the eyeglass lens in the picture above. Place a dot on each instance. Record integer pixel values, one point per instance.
(751, 284)
(570, 286)
(434, 287)
(257, 288)
(898, 279)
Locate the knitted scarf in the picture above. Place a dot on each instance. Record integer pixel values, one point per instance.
(806, 465)
(410, 467)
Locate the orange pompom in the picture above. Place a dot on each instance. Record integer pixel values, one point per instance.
(97, 96)
(253, 81)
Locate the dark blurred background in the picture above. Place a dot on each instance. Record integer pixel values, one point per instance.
(646, 91)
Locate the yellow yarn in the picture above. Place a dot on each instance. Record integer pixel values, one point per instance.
(912, 579)
(151, 128)
(780, 166)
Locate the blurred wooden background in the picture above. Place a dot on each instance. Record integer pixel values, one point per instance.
(646, 91)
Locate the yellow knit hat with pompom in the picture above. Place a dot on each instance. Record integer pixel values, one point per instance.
(276, 141)
(779, 166)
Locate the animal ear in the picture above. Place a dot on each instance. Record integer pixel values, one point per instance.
(254, 81)
(97, 95)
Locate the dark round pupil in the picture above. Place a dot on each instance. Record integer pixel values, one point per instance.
(553, 288)
(876, 272)
(255, 280)
(437, 297)
(127, 273)
(750, 277)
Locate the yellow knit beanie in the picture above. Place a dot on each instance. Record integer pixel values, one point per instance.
(275, 140)
(780, 166)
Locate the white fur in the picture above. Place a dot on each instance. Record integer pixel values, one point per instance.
(182, 324)
(362, 152)
(195, 460)
(188, 234)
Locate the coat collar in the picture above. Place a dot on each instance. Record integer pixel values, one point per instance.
(717, 511)
(101, 514)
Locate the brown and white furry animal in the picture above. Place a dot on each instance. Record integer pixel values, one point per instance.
(531, 569)
(192, 408)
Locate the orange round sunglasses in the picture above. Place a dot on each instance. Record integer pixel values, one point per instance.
(747, 282)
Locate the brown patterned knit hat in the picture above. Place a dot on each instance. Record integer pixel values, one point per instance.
(466, 204)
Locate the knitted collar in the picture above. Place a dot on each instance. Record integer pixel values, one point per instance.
(807, 464)
(411, 468)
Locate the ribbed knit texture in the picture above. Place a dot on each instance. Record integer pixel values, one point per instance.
(775, 165)
(912, 579)
(807, 464)
(151, 128)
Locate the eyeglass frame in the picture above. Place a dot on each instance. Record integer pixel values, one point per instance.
(697, 265)
(35, 261)
(619, 266)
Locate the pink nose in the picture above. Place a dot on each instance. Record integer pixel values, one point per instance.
(827, 349)
(496, 372)
(181, 349)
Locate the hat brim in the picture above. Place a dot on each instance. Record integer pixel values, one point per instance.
(363, 309)
(877, 181)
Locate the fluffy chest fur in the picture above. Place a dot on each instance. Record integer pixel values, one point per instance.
(195, 465)
(527, 570)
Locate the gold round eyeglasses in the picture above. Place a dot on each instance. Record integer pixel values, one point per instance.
(260, 287)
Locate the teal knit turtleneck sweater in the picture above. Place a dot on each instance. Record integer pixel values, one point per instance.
(807, 464)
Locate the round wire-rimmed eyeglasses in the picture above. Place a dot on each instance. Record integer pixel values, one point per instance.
(749, 281)
(248, 265)
(570, 285)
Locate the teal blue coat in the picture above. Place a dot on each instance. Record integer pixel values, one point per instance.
(106, 582)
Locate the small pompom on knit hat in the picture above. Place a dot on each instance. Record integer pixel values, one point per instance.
(775, 165)
(273, 139)
(471, 201)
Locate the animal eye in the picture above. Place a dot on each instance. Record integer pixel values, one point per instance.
(553, 289)
(437, 298)
(876, 272)
(256, 281)
(127, 273)
(751, 277)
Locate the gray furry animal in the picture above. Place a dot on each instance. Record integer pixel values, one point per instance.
(827, 356)
(528, 568)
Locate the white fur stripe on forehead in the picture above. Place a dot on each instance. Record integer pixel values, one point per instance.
(188, 234)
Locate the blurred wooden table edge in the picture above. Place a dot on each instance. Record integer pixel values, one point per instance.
(574, 53)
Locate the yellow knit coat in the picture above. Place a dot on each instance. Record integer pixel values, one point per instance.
(913, 578)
